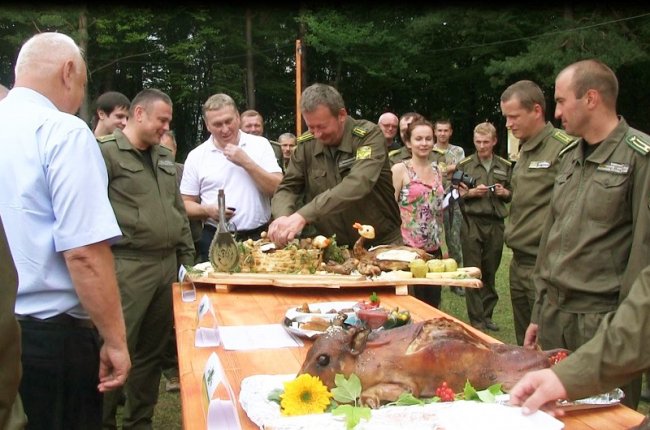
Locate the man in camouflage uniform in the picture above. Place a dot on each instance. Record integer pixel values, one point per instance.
(596, 239)
(523, 105)
(342, 168)
(482, 229)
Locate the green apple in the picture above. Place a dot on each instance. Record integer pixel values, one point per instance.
(418, 268)
(450, 265)
(436, 265)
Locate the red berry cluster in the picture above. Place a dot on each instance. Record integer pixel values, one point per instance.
(445, 393)
(557, 357)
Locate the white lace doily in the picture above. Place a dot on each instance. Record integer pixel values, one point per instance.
(459, 415)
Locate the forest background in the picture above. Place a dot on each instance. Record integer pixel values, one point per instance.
(451, 62)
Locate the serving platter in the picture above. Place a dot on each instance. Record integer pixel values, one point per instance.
(324, 311)
(226, 281)
(458, 415)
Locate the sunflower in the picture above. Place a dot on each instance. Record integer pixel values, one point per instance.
(304, 395)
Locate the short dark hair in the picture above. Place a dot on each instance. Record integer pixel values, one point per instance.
(146, 97)
(107, 102)
(443, 121)
(110, 100)
(527, 92)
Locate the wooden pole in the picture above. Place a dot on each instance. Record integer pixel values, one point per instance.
(298, 86)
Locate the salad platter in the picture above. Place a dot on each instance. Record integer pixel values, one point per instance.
(468, 277)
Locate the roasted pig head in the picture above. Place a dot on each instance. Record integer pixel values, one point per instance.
(418, 358)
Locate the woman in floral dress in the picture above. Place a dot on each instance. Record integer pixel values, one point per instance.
(419, 192)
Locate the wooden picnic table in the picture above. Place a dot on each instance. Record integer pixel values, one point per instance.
(268, 305)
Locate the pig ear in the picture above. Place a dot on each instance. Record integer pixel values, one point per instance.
(358, 341)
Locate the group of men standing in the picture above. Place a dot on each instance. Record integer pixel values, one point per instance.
(97, 231)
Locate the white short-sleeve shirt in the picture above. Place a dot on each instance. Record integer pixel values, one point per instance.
(207, 170)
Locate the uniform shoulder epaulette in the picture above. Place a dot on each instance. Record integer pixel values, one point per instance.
(504, 161)
(439, 151)
(359, 132)
(465, 160)
(638, 143)
(394, 152)
(562, 136)
(570, 146)
(106, 138)
(305, 137)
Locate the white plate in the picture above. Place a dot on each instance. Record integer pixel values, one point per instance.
(459, 415)
(319, 309)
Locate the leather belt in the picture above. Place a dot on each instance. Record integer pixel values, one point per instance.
(61, 319)
(241, 234)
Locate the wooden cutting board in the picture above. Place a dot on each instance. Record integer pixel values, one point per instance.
(225, 281)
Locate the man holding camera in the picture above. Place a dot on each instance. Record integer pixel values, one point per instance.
(483, 181)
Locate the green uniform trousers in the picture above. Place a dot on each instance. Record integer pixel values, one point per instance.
(482, 240)
(145, 288)
(571, 330)
(522, 292)
(453, 225)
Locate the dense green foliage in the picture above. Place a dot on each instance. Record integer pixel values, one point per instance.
(441, 61)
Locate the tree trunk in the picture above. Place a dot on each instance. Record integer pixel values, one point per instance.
(84, 111)
(250, 79)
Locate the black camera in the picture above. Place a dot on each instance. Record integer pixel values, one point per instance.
(461, 177)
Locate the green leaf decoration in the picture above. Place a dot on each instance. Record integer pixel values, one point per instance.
(346, 390)
(274, 395)
(353, 414)
(406, 399)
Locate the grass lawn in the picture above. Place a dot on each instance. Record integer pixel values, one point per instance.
(168, 411)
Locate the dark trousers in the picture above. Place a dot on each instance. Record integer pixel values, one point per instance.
(60, 376)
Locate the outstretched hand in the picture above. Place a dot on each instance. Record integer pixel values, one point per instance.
(285, 228)
(539, 390)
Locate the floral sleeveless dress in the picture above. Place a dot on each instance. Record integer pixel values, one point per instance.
(420, 207)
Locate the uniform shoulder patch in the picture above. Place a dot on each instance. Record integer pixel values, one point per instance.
(562, 136)
(394, 152)
(465, 160)
(307, 136)
(106, 138)
(638, 143)
(569, 147)
(504, 161)
(359, 132)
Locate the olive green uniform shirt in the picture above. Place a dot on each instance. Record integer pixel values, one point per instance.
(533, 176)
(596, 240)
(147, 204)
(617, 353)
(353, 185)
(500, 173)
(10, 368)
